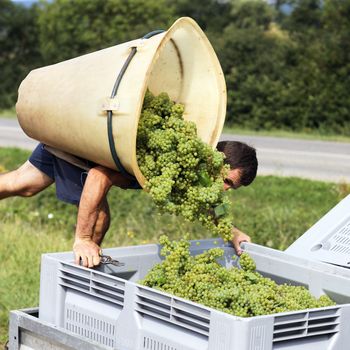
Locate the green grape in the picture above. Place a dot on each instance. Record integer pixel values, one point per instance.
(241, 292)
(184, 175)
(246, 262)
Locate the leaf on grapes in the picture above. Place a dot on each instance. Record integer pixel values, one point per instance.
(204, 179)
(221, 210)
(251, 276)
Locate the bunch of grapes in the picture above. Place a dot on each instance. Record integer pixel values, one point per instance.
(241, 292)
(184, 175)
(246, 262)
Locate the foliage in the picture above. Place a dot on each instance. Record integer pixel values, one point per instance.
(211, 18)
(19, 48)
(72, 28)
(287, 74)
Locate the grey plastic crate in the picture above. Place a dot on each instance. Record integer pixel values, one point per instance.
(329, 239)
(27, 332)
(108, 306)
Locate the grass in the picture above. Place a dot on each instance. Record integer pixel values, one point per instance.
(307, 135)
(273, 211)
(8, 113)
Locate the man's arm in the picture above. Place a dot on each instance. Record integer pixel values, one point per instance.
(238, 238)
(93, 198)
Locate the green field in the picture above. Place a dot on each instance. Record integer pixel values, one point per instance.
(8, 113)
(273, 211)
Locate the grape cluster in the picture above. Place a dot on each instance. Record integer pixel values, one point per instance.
(246, 262)
(241, 292)
(184, 175)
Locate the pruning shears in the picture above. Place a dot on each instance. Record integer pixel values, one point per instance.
(107, 260)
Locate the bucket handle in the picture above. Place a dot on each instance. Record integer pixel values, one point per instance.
(110, 112)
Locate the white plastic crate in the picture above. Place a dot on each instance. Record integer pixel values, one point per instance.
(108, 306)
(329, 239)
(27, 332)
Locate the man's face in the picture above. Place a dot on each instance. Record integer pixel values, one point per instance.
(232, 179)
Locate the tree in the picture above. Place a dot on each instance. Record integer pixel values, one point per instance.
(19, 48)
(255, 55)
(212, 16)
(306, 15)
(251, 14)
(295, 75)
(72, 28)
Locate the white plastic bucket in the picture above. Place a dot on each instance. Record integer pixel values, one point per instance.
(64, 105)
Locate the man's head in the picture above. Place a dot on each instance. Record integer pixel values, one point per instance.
(242, 161)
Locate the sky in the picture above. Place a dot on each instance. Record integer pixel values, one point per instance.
(25, 2)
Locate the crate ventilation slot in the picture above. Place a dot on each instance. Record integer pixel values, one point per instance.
(340, 241)
(90, 327)
(171, 310)
(98, 285)
(306, 324)
(153, 344)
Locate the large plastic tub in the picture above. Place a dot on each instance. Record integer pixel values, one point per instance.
(108, 306)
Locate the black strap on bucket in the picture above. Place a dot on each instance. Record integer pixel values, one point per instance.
(110, 113)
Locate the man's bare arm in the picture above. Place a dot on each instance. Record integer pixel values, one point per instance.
(97, 185)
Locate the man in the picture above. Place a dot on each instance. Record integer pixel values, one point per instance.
(86, 185)
(244, 165)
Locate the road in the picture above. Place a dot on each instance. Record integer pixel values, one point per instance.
(321, 160)
(11, 135)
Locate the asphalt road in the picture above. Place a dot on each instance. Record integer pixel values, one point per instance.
(321, 160)
(11, 135)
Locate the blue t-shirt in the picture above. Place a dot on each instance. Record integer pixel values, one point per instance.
(69, 178)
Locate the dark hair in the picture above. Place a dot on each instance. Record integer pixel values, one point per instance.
(240, 156)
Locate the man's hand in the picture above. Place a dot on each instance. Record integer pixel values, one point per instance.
(238, 238)
(87, 251)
